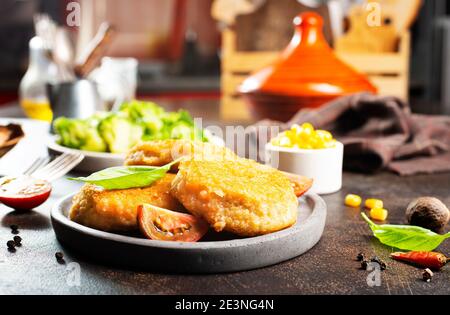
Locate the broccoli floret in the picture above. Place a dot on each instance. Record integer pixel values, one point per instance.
(180, 125)
(181, 131)
(70, 132)
(79, 134)
(120, 133)
(137, 110)
(93, 141)
(147, 114)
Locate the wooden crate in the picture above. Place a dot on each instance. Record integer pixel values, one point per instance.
(389, 72)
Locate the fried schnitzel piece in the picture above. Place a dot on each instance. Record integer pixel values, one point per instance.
(158, 153)
(116, 210)
(162, 152)
(241, 196)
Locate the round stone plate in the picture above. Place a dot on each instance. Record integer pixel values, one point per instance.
(217, 252)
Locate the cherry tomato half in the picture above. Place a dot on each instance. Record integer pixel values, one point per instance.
(24, 192)
(301, 184)
(165, 225)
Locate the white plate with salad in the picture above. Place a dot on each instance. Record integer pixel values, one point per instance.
(105, 137)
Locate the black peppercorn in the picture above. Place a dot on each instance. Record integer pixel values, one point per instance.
(427, 275)
(14, 229)
(364, 264)
(59, 256)
(10, 244)
(377, 260)
(360, 257)
(17, 240)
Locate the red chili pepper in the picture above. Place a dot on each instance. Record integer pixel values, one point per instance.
(424, 259)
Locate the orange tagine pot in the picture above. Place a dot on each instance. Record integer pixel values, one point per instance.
(306, 75)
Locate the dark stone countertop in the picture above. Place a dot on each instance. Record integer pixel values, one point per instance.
(329, 268)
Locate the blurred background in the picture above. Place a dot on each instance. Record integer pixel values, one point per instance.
(197, 49)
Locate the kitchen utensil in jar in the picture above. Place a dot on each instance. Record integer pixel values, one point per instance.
(77, 99)
(95, 50)
(117, 80)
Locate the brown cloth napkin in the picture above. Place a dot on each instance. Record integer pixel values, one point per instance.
(379, 133)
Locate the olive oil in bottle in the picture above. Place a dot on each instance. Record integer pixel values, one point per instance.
(32, 90)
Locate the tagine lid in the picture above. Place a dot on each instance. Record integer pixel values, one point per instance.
(307, 67)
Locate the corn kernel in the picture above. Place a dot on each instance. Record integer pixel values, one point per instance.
(324, 135)
(353, 200)
(296, 128)
(288, 135)
(374, 203)
(379, 214)
(330, 144)
(305, 137)
(285, 141)
(307, 127)
(318, 143)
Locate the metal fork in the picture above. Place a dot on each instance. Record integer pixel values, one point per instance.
(58, 167)
(38, 163)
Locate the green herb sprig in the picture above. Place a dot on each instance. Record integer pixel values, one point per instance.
(124, 177)
(406, 237)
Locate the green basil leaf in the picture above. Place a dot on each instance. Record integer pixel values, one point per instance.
(406, 237)
(124, 177)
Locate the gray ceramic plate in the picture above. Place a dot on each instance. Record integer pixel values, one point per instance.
(217, 252)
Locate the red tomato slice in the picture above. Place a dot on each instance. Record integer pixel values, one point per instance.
(24, 192)
(165, 225)
(301, 184)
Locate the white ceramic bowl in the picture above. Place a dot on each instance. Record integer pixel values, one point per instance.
(92, 162)
(324, 166)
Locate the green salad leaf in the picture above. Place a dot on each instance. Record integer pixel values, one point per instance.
(80, 134)
(117, 132)
(124, 177)
(406, 237)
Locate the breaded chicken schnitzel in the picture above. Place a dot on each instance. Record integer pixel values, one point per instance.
(162, 152)
(241, 196)
(116, 210)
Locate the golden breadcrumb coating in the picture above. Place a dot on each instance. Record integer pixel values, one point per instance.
(241, 196)
(116, 210)
(162, 152)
